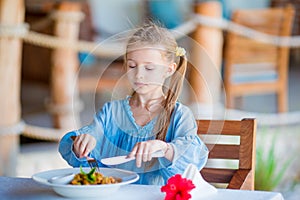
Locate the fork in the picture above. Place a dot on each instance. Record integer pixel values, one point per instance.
(91, 161)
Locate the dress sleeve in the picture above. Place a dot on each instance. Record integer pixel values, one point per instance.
(188, 147)
(96, 128)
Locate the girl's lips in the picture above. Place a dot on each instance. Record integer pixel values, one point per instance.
(139, 84)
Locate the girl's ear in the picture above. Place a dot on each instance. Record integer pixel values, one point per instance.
(171, 69)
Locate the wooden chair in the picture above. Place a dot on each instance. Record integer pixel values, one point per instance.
(244, 152)
(252, 67)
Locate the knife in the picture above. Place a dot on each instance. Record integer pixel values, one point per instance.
(123, 159)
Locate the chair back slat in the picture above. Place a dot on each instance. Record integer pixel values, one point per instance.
(223, 151)
(218, 127)
(251, 49)
(259, 18)
(217, 175)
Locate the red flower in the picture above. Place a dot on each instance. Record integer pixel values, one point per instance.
(178, 188)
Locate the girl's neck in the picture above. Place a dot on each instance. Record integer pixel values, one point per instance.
(145, 109)
(146, 100)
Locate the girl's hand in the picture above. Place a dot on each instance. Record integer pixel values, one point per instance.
(142, 151)
(83, 144)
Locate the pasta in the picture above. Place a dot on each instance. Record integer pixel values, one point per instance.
(93, 178)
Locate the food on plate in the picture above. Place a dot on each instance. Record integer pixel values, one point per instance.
(93, 178)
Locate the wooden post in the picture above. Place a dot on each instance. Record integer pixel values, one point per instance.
(64, 93)
(206, 58)
(11, 13)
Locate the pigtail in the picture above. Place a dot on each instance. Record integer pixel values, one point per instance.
(175, 86)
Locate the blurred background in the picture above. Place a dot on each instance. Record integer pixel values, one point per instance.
(278, 134)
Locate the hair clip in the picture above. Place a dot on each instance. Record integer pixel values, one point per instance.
(180, 51)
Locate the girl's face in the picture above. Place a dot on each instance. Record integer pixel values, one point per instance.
(147, 70)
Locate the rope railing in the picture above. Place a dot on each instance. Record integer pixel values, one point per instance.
(16, 31)
(43, 133)
(113, 48)
(227, 25)
(116, 48)
(103, 50)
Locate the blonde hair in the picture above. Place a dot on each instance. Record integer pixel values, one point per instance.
(151, 35)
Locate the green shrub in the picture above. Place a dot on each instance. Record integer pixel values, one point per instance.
(269, 172)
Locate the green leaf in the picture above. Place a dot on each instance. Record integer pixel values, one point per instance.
(91, 176)
(92, 171)
(81, 170)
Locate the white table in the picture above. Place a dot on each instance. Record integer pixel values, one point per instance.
(26, 189)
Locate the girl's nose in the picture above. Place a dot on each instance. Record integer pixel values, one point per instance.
(139, 72)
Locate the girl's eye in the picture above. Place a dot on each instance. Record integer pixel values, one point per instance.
(149, 67)
(131, 65)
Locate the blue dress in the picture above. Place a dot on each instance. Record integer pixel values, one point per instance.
(116, 132)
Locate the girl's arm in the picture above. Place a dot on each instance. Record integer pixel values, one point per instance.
(187, 147)
(66, 150)
(76, 155)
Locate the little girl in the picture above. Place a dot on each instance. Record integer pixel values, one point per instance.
(147, 121)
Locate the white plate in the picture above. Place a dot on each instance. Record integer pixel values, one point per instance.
(85, 191)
